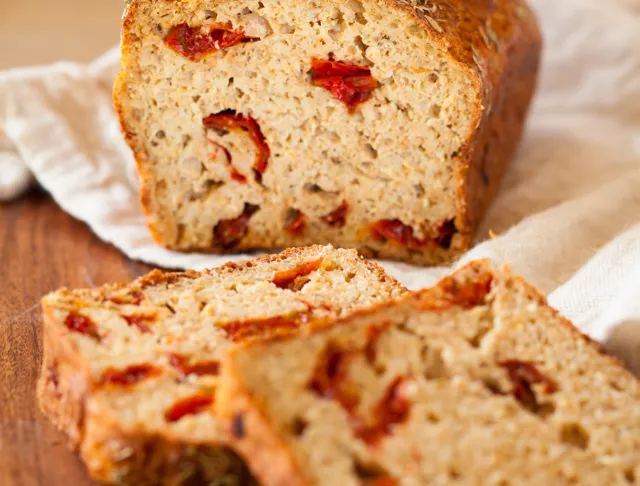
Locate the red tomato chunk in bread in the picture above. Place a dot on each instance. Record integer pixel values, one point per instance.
(199, 42)
(347, 83)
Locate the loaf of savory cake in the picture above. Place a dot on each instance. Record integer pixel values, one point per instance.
(475, 382)
(130, 372)
(381, 125)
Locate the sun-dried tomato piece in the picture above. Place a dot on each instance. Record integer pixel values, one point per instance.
(199, 368)
(285, 279)
(263, 328)
(233, 172)
(230, 120)
(395, 230)
(386, 481)
(523, 375)
(129, 376)
(330, 377)
(338, 216)
(192, 405)
(82, 324)
(295, 222)
(140, 321)
(330, 380)
(467, 296)
(350, 84)
(132, 298)
(446, 232)
(199, 42)
(229, 232)
(393, 409)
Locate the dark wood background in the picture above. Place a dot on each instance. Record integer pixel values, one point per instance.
(41, 248)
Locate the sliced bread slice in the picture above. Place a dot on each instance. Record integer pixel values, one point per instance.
(130, 372)
(474, 382)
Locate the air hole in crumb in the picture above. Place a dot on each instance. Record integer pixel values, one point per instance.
(575, 435)
(202, 305)
(287, 29)
(357, 40)
(313, 188)
(545, 409)
(419, 188)
(630, 475)
(298, 427)
(434, 365)
(434, 111)
(350, 276)
(371, 152)
(368, 471)
(246, 11)
(186, 140)
(454, 473)
(433, 77)
(157, 29)
(493, 386)
(170, 307)
(476, 339)
(260, 5)
(616, 386)
(432, 418)
(196, 98)
(361, 19)
(210, 14)
(160, 134)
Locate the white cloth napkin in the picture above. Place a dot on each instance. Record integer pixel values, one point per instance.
(567, 216)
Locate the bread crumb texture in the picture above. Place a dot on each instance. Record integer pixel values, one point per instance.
(130, 372)
(476, 381)
(381, 125)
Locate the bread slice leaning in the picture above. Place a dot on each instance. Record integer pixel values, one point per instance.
(130, 372)
(474, 382)
(381, 125)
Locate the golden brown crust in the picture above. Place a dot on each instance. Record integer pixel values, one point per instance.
(63, 385)
(497, 42)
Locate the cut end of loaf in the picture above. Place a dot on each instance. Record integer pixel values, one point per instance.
(270, 123)
(476, 381)
(131, 372)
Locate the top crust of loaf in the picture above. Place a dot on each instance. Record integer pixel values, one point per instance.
(497, 42)
(501, 362)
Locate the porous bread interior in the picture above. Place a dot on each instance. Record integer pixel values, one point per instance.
(188, 310)
(464, 426)
(393, 159)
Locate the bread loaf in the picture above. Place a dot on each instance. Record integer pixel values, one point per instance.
(381, 125)
(474, 382)
(130, 372)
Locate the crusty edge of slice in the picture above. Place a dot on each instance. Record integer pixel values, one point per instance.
(260, 435)
(62, 398)
(158, 277)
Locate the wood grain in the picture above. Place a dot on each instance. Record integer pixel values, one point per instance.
(41, 249)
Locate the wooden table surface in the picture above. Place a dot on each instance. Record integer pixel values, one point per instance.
(41, 248)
